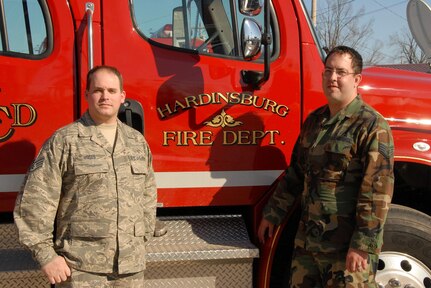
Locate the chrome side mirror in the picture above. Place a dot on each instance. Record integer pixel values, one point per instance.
(251, 39)
(250, 7)
(178, 28)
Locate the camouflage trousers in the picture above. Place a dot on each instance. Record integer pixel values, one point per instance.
(84, 279)
(318, 270)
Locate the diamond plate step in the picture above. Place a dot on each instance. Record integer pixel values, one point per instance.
(17, 268)
(202, 238)
(201, 251)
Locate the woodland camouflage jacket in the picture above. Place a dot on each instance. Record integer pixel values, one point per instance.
(342, 168)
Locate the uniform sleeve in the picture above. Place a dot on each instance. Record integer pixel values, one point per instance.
(150, 199)
(37, 203)
(286, 191)
(376, 190)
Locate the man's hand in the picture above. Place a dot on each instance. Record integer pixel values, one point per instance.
(356, 260)
(264, 227)
(57, 270)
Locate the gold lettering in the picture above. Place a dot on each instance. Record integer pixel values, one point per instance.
(206, 135)
(178, 104)
(204, 138)
(18, 116)
(10, 132)
(185, 138)
(257, 135)
(282, 110)
(245, 137)
(270, 103)
(245, 99)
(235, 98)
(226, 137)
(255, 100)
(217, 96)
(191, 99)
(241, 137)
(201, 99)
(189, 135)
(168, 135)
(272, 137)
(162, 111)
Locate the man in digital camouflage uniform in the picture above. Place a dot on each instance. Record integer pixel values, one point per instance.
(342, 168)
(89, 199)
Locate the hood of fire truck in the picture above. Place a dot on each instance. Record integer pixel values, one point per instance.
(404, 99)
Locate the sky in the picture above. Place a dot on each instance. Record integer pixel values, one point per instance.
(389, 17)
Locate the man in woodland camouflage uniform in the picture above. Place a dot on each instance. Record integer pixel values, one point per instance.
(342, 168)
(89, 199)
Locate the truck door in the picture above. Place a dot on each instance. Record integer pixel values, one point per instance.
(36, 84)
(215, 139)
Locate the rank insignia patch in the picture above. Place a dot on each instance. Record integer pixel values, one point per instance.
(37, 163)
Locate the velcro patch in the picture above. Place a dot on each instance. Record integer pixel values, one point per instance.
(37, 163)
(386, 151)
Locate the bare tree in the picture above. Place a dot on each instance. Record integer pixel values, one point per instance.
(338, 24)
(408, 51)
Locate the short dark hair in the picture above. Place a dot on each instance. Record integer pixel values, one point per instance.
(107, 68)
(356, 57)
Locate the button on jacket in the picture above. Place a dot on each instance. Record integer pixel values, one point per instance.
(342, 168)
(101, 202)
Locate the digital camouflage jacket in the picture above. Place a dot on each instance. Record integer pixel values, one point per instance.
(88, 203)
(342, 168)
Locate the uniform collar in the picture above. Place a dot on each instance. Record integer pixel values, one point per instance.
(352, 108)
(347, 112)
(88, 127)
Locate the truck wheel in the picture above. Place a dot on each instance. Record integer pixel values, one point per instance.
(405, 260)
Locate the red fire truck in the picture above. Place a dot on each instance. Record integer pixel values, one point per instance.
(220, 99)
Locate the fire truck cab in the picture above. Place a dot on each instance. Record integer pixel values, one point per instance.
(220, 89)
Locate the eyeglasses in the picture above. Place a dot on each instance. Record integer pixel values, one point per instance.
(339, 72)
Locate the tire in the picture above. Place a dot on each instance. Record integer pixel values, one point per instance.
(406, 254)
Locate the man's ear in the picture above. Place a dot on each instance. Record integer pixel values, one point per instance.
(358, 79)
(123, 96)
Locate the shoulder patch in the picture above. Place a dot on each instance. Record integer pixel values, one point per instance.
(387, 152)
(37, 163)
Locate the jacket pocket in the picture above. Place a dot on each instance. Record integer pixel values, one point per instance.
(332, 174)
(91, 167)
(94, 192)
(90, 229)
(139, 168)
(338, 156)
(139, 174)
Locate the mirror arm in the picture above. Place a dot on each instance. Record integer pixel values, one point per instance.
(258, 78)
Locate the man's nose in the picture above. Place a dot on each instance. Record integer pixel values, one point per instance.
(334, 75)
(105, 94)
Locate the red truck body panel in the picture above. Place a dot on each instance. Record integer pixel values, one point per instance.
(216, 141)
(199, 160)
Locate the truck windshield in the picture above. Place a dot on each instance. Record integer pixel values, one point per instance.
(206, 27)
